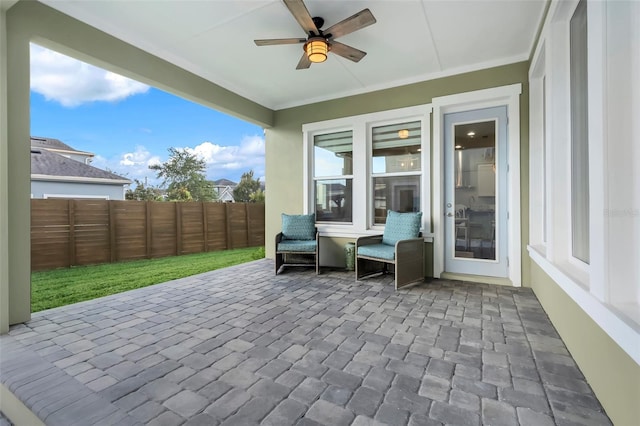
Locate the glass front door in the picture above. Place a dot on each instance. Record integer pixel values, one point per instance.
(475, 192)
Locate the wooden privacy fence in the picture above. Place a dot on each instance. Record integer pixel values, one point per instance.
(82, 232)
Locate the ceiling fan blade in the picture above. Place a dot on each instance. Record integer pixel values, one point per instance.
(348, 52)
(304, 62)
(300, 12)
(275, 41)
(362, 19)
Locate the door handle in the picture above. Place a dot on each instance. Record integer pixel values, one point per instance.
(450, 214)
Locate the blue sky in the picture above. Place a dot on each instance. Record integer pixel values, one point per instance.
(129, 125)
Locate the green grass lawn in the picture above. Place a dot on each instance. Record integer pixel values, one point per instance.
(50, 289)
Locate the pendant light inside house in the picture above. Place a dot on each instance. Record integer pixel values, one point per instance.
(403, 133)
(316, 49)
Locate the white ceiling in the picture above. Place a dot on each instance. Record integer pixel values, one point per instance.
(413, 40)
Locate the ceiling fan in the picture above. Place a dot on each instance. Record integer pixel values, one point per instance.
(320, 42)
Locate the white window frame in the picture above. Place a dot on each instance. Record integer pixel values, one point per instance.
(315, 178)
(361, 126)
(538, 150)
(606, 289)
(554, 50)
(425, 126)
(576, 146)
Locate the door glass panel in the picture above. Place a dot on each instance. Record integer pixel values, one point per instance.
(474, 205)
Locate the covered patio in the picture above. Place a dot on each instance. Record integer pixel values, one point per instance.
(557, 80)
(242, 346)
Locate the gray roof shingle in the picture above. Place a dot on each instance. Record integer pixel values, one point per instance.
(49, 163)
(50, 143)
(224, 182)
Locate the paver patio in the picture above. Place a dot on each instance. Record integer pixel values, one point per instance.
(240, 346)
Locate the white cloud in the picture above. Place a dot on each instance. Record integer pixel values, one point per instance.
(133, 165)
(231, 161)
(71, 82)
(222, 161)
(140, 157)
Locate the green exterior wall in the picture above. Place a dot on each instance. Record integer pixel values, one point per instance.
(613, 375)
(18, 172)
(4, 178)
(284, 140)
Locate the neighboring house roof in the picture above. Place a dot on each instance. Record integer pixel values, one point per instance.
(224, 189)
(56, 145)
(47, 165)
(224, 182)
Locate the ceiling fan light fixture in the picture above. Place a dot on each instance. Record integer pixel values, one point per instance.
(316, 49)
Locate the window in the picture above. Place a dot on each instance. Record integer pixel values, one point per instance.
(538, 167)
(579, 134)
(333, 176)
(545, 219)
(582, 108)
(360, 167)
(396, 169)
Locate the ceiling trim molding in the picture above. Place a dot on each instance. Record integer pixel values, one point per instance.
(397, 83)
(541, 22)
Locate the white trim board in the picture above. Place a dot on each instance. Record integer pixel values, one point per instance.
(75, 196)
(80, 179)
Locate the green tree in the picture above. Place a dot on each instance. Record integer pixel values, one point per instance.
(183, 175)
(257, 197)
(246, 187)
(143, 193)
(179, 194)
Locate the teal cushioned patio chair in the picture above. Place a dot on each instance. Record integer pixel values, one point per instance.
(401, 245)
(298, 243)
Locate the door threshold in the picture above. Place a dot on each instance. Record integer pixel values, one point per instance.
(484, 279)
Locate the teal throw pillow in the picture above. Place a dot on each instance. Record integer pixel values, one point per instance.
(401, 226)
(299, 226)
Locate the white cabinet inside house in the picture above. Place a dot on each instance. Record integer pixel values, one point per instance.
(486, 180)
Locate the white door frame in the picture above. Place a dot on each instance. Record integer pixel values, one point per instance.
(504, 95)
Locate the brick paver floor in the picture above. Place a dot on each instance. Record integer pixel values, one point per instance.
(240, 346)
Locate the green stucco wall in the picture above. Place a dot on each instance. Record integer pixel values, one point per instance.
(613, 375)
(4, 177)
(18, 171)
(284, 144)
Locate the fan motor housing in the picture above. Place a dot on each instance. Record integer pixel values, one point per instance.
(318, 21)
